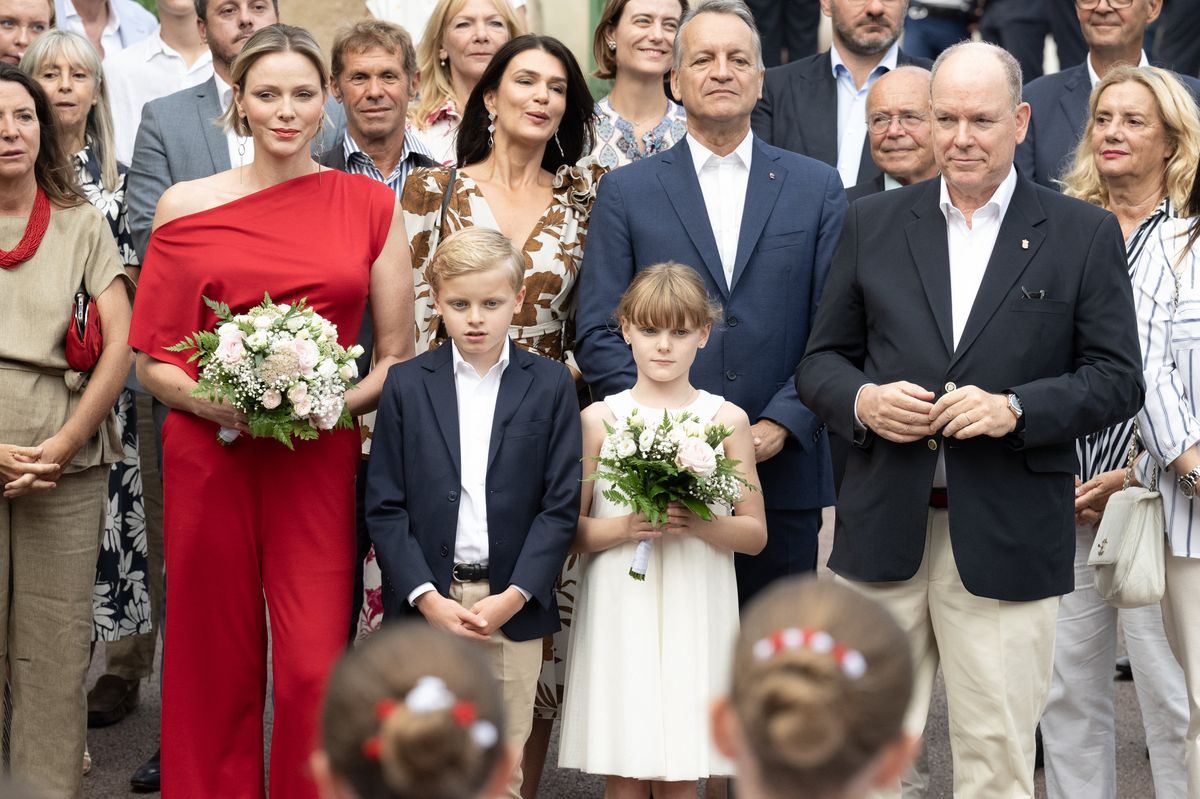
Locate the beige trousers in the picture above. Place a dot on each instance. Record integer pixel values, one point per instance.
(1181, 618)
(516, 664)
(997, 659)
(49, 542)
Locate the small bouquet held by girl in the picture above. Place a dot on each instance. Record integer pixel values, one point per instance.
(679, 459)
(281, 365)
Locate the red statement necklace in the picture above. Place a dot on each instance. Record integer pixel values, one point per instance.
(35, 229)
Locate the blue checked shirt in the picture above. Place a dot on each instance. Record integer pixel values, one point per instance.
(359, 163)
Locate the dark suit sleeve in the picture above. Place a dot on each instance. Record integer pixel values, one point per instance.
(553, 529)
(606, 271)
(1106, 386)
(400, 557)
(149, 176)
(831, 373)
(763, 117)
(786, 407)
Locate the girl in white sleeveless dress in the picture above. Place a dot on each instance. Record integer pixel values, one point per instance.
(647, 658)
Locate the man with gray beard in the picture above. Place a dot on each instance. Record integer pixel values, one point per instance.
(817, 106)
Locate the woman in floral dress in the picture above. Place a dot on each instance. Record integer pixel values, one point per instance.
(68, 69)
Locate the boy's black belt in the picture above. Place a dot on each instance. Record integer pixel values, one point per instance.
(469, 572)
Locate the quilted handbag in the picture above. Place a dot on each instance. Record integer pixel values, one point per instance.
(1129, 550)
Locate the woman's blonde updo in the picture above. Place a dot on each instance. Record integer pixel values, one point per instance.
(814, 718)
(667, 295)
(277, 38)
(387, 749)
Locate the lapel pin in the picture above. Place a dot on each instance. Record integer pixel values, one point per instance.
(771, 175)
(1024, 244)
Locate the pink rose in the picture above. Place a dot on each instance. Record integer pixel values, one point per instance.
(231, 351)
(306, 353)
(695, 455)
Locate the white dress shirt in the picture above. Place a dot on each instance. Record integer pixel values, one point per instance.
(113, 38)
(723, 182)
(477, 396)
(1145, 62)
(852, 111)
(142, 72)
(970, 250)
(232, 139)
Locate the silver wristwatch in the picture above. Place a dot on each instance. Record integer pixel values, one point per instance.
(1014, 405)
(1187, 483)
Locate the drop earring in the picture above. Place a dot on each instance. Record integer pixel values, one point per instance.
(491, 128)
(560, 149)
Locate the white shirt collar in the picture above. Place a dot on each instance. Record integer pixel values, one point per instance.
(461, 365)
(890, 182)
(224, 92)
(700, 154)
(999, 200)
(114, 20)
(1145, 62)
(890, 59)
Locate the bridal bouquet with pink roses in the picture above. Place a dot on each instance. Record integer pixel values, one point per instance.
(281, 365)
(679, 459)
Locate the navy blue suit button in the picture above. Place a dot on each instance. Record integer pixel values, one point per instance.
(732, 321)
(452, 496)
(445, 550)
(731, 375)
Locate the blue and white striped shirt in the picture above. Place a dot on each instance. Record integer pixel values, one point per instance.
(359, 163)
(1166, 295)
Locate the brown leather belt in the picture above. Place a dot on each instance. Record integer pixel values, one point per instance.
(938, 498)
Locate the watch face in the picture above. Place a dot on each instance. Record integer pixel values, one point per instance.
(1188, 488)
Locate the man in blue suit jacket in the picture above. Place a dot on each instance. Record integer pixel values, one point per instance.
(1060, 101)
(766, 271)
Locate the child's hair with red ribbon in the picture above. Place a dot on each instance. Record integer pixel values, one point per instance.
(413, 712)
(822, 677)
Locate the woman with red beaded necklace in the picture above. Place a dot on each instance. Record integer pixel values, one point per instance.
(55, 442)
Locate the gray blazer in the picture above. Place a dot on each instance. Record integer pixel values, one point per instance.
(179, 139)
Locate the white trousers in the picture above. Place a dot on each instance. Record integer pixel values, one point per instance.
(1078, 727)
(1181, 617)
(996, 660)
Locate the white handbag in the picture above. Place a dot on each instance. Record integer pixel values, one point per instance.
(1128, 553)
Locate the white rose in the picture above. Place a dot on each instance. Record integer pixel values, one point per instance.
(697, 457)
(349, 371)
(229, 330)
(355, 351)
(263, 322)
(302, 408)
(230, 351)
(257, 340)
(283, 308)
(271, 399)
(646, 441)
(295, 323)
(625, 447)
(297, 392)
(327, 368)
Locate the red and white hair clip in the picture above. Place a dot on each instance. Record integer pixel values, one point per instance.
(851, 661)
(430, 695)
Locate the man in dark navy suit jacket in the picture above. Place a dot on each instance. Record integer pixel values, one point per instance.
(816, 106)
(759, 224)
(1060, 101)
(972, 328)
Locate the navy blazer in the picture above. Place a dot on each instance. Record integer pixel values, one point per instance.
(1060, 111)
(653, 211)
(798, 110)
(1069, 352)
(533, 483)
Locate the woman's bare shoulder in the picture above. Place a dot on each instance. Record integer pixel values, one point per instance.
(192, 196)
